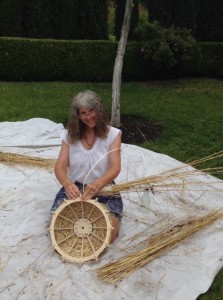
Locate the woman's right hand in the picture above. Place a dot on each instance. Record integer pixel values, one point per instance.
(72, 191)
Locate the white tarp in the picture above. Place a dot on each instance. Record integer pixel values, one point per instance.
(31, 269)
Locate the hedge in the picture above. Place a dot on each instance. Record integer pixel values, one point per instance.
(24, 59)
(211, 62)
(41, 60)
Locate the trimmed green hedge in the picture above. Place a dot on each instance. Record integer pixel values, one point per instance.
(211, 62)
(65, 60)
(41, 60)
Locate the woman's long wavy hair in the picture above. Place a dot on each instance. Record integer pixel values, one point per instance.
(76, 128)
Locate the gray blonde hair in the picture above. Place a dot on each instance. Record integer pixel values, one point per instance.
(90, 100)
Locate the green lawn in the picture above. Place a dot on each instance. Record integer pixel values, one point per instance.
(190, 110)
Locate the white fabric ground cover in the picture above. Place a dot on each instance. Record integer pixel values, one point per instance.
(31, 269)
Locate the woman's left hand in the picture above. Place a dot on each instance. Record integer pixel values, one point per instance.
(90, 191)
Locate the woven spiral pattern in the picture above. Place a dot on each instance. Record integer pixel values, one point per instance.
(80, 230)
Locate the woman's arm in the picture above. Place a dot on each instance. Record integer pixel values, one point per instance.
(61, 169)
(114, 168)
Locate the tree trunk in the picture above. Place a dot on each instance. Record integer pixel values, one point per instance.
(117, 74)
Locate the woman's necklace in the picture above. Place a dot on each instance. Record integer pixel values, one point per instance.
(90, 146)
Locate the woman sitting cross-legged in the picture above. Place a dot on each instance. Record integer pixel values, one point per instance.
(90, 154)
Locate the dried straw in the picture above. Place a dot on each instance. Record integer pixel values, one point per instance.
(157, 245)
(13, 159)
(166, 179)
(162, 181)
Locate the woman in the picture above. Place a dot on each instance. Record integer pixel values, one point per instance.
(90, 154)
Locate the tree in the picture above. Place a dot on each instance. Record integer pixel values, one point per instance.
(70, 19)
(209, 25)
(161, 10)
(63, 19)
(117, 74)
(184, 14)
(202, 17)
(35, 19)
(119, 16)
(92, 19)
(10, 19)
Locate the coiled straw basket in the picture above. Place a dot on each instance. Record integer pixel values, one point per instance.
(80, 230)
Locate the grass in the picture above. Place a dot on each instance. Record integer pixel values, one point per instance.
(190, 111)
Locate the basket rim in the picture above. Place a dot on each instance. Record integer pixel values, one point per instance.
(105, 212)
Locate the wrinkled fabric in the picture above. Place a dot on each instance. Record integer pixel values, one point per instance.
(32, 269)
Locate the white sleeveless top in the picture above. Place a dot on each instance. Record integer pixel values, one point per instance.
(85, 165)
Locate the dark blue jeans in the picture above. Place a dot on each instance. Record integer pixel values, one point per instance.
(114, 203)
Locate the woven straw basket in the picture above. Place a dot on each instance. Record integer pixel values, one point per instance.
(80, 230)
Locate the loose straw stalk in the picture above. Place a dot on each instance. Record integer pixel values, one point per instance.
(166, 179)
(169, 239)
(13, 159)
(162, 181)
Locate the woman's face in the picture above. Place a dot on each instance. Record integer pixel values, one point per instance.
(88, 116)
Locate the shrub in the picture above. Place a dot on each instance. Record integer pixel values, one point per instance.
(39, 60)
(84, 60)
(211, 62)
(165, 47)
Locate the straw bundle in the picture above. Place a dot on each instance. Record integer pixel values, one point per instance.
(157, 245)
(167, 179)
(13, 159)
(161, 181)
